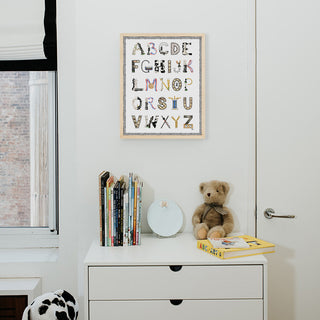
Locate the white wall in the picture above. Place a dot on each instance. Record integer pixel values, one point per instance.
(89, 119)
(170, 168)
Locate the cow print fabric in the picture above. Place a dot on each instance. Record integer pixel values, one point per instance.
(58, 305)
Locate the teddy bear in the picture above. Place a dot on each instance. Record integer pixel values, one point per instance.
(211, 219)
(58, 305)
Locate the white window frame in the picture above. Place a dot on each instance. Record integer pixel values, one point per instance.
(41, 237)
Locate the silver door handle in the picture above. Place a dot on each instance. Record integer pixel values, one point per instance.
(269, 213)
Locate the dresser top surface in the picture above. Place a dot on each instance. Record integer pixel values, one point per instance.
(179, 250)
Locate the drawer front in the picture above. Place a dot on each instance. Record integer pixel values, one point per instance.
(191, 282)
(187, 310)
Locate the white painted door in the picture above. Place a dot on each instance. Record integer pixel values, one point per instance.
(288, 131)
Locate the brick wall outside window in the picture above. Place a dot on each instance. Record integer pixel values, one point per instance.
(14, 149)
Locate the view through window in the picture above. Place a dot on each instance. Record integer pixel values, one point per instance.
(24, 149)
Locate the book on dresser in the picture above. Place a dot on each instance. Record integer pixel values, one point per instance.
(103, 177)
(228, 248)
(108, 225)
(120, 210)
(116, 198)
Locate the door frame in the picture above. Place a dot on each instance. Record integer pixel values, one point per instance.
(252, 107)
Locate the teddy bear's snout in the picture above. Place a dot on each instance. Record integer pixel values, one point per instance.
(208, 194)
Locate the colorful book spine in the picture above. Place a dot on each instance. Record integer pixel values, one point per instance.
(100, 206)
(135, 213)
(112, 217)
(129, 207)
(103, 176)
(125, 218)
(120, 215)
(115, 213)
(109, 216)
(106, 216)
(127, 223)
(131, 211)
(139, 212)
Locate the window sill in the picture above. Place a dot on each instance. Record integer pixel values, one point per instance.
(30, 287)
(35, 241)
(29, 255)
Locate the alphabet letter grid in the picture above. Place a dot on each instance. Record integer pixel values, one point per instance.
(162, 86)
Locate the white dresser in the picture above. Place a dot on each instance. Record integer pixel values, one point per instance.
(171, 279)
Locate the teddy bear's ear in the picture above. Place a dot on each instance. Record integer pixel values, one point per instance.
(201, 187)
(225, 187)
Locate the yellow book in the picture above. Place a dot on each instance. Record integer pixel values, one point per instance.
(256, 246)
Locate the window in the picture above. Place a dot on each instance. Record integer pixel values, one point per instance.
(28, 159)
(28, 124)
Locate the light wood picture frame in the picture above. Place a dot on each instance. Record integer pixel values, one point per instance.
(162, 86)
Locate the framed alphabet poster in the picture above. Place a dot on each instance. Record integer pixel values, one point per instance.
(162, 85)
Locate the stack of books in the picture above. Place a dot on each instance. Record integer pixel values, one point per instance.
(120, 204)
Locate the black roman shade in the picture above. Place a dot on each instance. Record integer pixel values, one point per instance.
(34, 45)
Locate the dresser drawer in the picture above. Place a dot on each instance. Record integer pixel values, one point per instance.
(187, 310)
(191, 282)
